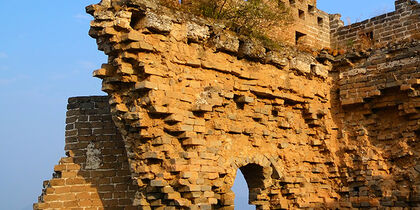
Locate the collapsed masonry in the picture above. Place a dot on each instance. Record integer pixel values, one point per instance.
(192, 103)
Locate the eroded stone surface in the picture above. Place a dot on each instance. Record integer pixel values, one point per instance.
(194, 105)
(93, 160)
(95, 174)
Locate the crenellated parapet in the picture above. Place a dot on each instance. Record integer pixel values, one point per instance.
(400, 25)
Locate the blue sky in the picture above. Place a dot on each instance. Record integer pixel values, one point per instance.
(46, 56)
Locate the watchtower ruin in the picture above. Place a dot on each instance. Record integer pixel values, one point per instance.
(190, 104)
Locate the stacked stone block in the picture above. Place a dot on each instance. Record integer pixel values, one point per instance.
(378, 92)
(95, 174)
(195, 102)
(399, 25)
(367, 75)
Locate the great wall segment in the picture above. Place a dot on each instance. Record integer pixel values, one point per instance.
(190, 102)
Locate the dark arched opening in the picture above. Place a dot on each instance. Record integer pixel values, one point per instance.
(253, 176)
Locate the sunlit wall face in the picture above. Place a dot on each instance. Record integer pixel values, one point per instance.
(47, 56)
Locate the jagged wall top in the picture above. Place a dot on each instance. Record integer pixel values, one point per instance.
(129, 16)
(403, 24)
(192, 113)
(310, 27)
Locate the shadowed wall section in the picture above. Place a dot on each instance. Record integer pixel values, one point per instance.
(95, 173)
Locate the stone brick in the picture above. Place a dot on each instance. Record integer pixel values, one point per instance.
(74, 186)
(309, 127)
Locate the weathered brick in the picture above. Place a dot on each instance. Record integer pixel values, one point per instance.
(308, 128)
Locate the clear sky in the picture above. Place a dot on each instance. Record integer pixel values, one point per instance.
(46, 56)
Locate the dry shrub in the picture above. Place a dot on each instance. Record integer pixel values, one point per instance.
(251, 18)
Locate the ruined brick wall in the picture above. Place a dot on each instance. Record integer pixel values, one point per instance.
(379, 125)
(95, 174)
(366, 75)
(402, 24)
(194, 103)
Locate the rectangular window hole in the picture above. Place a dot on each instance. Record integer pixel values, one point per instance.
(369, 35)
(281, 4)
(137, 19)
(292, 2)
(301, 14)
(313, 67)
(311, 9)
(299, 37)
(320, 21)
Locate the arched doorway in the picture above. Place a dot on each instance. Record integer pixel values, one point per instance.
(240, 188)
(248, 183)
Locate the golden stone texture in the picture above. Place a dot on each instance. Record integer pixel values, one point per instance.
(194, 103)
